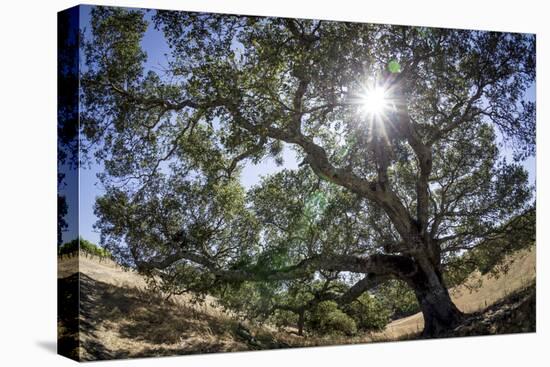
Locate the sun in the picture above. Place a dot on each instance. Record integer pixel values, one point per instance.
(375, 101)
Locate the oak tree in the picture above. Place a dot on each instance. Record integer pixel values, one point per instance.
(400, 133)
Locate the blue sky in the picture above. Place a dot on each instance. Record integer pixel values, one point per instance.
(155, 46)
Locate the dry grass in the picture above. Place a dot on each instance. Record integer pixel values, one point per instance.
(120, 318)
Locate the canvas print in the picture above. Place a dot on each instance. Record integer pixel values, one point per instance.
(237, 183)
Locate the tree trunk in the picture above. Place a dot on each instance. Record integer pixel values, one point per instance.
(440, 313)
(301, 323)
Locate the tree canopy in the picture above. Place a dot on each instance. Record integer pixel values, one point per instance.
(397, 193)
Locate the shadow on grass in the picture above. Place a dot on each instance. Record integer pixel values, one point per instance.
(67, 316)
(133, 317)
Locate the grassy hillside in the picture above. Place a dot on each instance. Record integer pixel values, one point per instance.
(119, 318)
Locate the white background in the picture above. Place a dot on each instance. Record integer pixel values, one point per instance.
(28, 182)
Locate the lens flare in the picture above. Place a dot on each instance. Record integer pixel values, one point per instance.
(375, 101)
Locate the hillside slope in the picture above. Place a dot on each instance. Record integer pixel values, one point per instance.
(119, 318)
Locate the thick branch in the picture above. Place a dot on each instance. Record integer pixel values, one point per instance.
(318, 160)
(377, 264)
(423, 153)
(368, 282)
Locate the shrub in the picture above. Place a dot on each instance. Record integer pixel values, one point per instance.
(283, 318)
(368, 312)
(327, 318)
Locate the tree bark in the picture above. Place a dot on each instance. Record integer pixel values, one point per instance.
(440, 313)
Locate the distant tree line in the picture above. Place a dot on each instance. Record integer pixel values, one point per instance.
(72, 247)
